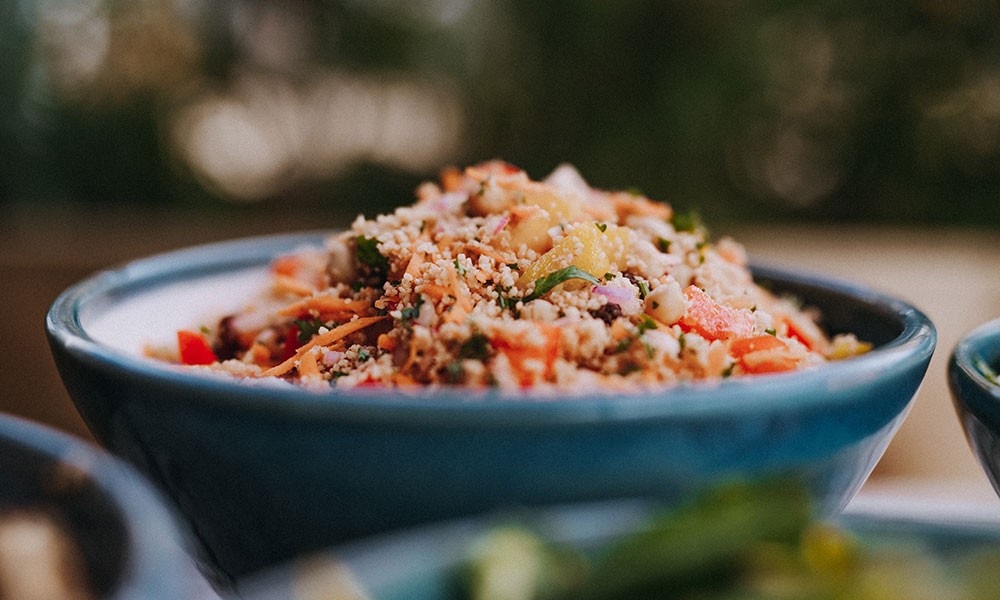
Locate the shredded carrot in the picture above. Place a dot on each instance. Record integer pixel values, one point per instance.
(413, 266)
(259, 354)
(483, 249)
(518, 352)
(411, 358)
(323, 339)
(404, 380)
(308, 367)
(325, 304)
(386, 342)
(463, 303)
(434, 290)
(292, 285)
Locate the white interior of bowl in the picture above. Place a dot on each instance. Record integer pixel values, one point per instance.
(152, 318)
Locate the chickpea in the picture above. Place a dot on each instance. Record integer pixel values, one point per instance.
(666, 303)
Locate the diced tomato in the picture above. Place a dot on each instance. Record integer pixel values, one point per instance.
(754, 344)
(194, 348)
(804, 331)
(712, 320)
(763, 354)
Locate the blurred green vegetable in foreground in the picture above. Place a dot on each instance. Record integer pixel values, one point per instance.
(736, 542)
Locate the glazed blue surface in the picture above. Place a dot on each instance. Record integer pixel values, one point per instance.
(267, 473)
(133, 546)
(976, 399)
(424, 563)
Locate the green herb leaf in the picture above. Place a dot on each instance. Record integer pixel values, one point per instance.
(368, 254)
(544, 285)
(503, 301)
(460, 268)
(663, 245)
(455, 371)
(307, 328)
(645, 324)
(602, 226)
(687, 221)
(643, 288)
(476, 347)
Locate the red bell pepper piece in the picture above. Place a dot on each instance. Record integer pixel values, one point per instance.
(194, 348)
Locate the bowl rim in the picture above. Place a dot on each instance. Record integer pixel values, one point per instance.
(911, 349)
(156, 556)
(962, 362)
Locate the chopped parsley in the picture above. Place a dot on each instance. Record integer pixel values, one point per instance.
(687, 221)
(455, 371)
(645, 324)
(643, 288)
(476, 347)
(369, 255)
(602, 226)
(363, 355)
(663, 245)
(460, 268)
(410, 313)
(503, 301)
(307, 328)
(544, 285)
(771, 331)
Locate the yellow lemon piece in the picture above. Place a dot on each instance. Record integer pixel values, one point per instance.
(596, 248)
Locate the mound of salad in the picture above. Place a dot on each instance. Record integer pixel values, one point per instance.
(493, 279)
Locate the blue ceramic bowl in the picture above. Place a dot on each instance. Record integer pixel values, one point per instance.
(130, 544)
(426, 563)
(265, 473)
(976, 398)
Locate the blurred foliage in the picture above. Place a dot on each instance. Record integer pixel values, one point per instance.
(845, 110)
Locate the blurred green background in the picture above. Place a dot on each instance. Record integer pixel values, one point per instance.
(852, 137)
(845, 110)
